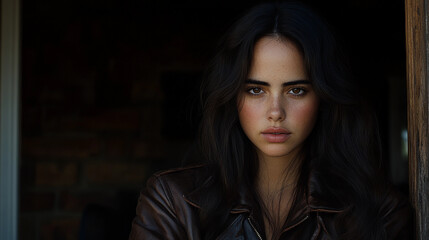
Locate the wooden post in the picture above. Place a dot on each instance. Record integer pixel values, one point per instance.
(417, 46)
(9, 117)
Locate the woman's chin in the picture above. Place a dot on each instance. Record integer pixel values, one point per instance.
(277, 152)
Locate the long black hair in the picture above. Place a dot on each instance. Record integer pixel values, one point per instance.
(343, 150)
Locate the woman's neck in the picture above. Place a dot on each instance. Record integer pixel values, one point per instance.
(275, 174)
(276, 182)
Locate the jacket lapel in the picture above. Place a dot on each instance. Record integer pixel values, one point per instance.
(313, 201)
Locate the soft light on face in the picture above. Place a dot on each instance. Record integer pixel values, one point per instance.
(278, 107)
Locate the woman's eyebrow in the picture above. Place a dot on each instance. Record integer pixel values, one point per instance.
(257, 82)
(296, 82)
(285, 84)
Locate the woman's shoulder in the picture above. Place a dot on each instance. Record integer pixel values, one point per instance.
(181, 181)
(192, 170)
(188, 173)
(396, 214)
(164, 208)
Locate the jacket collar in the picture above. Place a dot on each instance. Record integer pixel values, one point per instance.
(313, 201)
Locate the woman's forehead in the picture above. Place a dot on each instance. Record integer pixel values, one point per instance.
(277, 60)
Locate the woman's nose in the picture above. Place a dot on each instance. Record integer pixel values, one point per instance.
(276, 110)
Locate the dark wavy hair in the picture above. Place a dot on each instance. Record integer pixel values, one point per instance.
(343, 150)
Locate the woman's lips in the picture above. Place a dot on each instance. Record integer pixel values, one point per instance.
(276, 135)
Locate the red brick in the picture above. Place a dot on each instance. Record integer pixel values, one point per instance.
(61, 228)
(54, 174)
(27, 174)
(147, 89)
(159, 149)
(112, 120)
(60, 147)
(102, 173)
(76, 202)
(94, 119)
(152, 120)
(150, 150)
(37, 202)
(31, 119)
(117, 147)
(27, 227)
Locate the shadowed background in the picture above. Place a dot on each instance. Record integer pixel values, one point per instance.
(110, 94)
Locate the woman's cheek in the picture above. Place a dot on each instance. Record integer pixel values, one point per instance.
(305, 114)
(249, 113)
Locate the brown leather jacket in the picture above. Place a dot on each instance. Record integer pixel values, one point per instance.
(168, 209)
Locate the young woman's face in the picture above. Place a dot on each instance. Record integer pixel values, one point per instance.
(278, 108)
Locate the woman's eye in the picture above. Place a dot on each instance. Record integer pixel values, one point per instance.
(297, 91)
(255, 91)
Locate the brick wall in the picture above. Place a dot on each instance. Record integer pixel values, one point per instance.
(108, 89)
(103, 97)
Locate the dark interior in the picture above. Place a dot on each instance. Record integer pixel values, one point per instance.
(109, 95)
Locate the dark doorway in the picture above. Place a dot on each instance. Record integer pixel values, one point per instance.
(109, 97)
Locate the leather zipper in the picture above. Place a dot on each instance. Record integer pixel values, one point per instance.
(254, 229)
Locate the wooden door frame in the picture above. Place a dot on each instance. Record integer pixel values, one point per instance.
(9, 117)
(417, 47)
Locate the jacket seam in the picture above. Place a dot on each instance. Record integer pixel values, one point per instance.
(176, 170)
(171, 205)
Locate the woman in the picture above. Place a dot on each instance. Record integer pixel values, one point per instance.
(289, 151)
